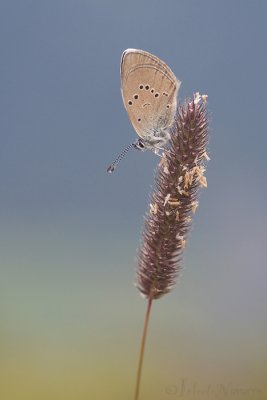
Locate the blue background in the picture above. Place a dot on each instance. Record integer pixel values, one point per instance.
(70, 316)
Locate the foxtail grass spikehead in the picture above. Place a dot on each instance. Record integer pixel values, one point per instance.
(179, 176)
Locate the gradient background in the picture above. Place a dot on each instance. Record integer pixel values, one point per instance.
(70, 317)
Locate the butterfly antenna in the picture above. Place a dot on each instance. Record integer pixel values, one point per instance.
(112, 166)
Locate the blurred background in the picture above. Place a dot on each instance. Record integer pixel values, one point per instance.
(70, 316)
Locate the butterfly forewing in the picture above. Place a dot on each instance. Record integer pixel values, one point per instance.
(149, 91)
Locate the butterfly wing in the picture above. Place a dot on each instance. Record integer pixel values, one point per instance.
(149, 91)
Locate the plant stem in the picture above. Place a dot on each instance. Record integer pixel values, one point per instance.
(142, 350)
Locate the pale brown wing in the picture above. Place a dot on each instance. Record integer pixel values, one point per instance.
(149, 91)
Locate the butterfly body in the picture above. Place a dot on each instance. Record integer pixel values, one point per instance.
(149, 91)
